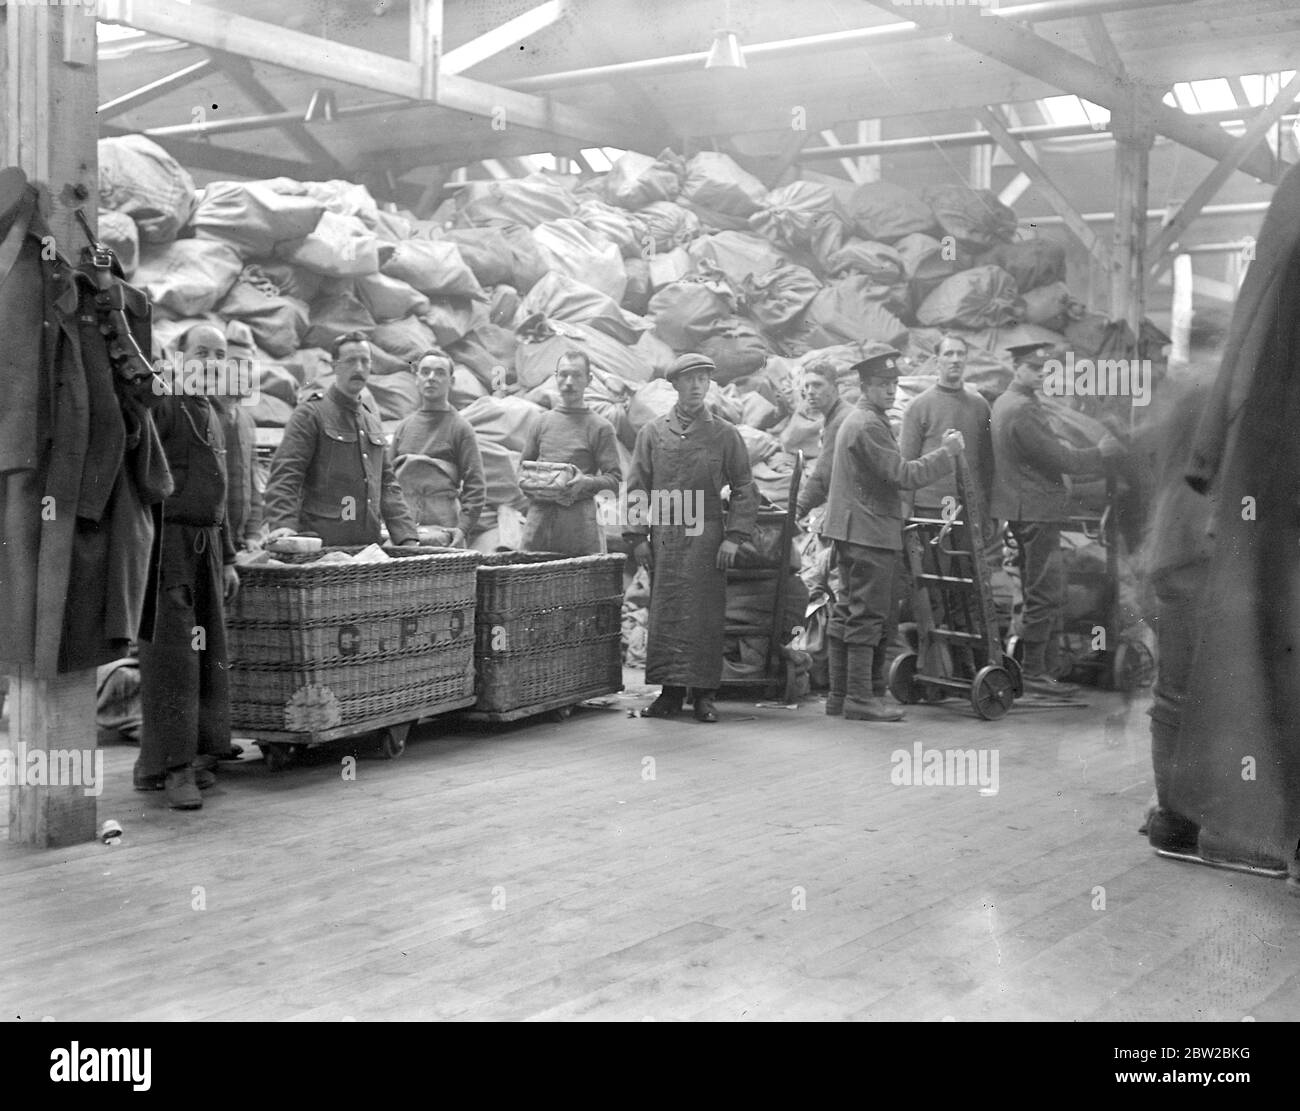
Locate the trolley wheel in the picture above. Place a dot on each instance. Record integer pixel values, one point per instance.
(1012, 667)
(392, 741)
(992, 693)
(276, 756)
(902, 679)
(1133, 666)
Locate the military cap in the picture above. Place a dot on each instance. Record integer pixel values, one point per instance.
(882, 365)
(1035, 354)
(691, 361)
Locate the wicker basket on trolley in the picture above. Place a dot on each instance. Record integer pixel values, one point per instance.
(315, 645)
(547, 630)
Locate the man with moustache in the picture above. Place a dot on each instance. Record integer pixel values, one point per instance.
(572, 433)
(1029, 493)
(436, 457)
(331, 476)
(685, 458)
(184, 689)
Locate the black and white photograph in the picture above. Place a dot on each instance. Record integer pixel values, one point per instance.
(650, 511)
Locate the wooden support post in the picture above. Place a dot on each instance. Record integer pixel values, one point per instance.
(425, 19)
(1133, 139)
(869, 164)
(48, 93)
(981, 166)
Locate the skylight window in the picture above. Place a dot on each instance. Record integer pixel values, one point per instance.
(1073, 110)
(1214, 95)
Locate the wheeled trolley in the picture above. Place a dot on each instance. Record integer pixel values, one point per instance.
(322, 650)
(958, 645)
(779, 677)
(280, 748)
(548, 633)
(1092, 646)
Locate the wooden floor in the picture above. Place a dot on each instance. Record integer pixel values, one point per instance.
(619, 868)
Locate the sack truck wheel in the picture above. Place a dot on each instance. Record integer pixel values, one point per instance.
(992, 693)
(902, 679)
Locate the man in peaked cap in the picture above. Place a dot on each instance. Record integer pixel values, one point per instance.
(1029, 493)
(677, 528)
(864, 517)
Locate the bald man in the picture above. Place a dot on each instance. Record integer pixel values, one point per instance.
(185, 693)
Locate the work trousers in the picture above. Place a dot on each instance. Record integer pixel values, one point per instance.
(1178, 631)
(184, 682)
(865, 582)
(1042, 577)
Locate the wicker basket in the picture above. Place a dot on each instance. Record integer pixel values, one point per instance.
(316, 646)
(547, 627)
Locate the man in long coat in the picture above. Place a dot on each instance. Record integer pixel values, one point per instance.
(1237, 773)
(676, 524)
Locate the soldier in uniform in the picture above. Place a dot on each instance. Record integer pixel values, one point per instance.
(184, 689)
(864, 516)
(681, 462)
(331, 476)
(1029, 493)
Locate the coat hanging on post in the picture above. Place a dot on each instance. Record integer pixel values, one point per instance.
(1238, 767)
(81, 472)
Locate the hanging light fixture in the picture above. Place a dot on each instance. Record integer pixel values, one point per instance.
(725, 53)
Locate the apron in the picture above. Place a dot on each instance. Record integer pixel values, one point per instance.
(571, 530)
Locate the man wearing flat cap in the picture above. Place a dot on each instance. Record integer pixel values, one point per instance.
(1029, 493)
(864, 517)
(681, 462)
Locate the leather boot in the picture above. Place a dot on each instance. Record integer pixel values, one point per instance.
(860, 704)
(838, 668)
(1035, 675)
(878, 685)
(704, 710)
(668, 704)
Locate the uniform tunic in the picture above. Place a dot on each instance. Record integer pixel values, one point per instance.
(586, 440)
(676, 464)
(814, 489)
(331, 475)
(184, 687)
(864, 516)
(436, 457)
(1029, 493)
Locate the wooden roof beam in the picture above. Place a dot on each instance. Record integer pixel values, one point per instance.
(1019, 48)
(1258, 127)
(152, 91)
(241, 73)
(993, 122)
(259, 41)
(511, 33)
